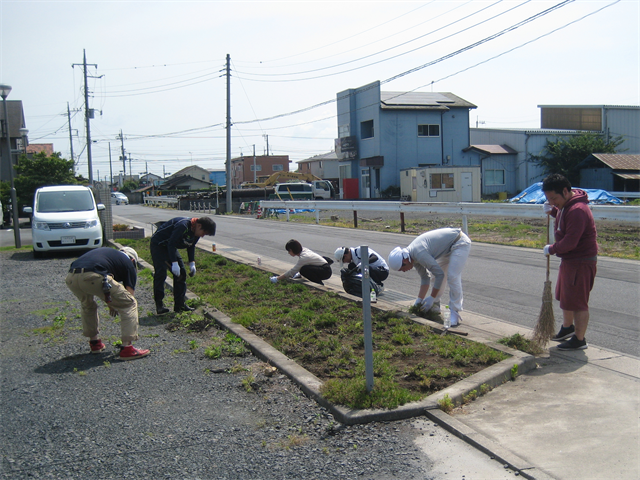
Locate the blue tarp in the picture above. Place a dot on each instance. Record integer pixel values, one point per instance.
(534, 194)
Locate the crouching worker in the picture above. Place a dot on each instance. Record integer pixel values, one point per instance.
(443, 252)
(310, 265)
(179, 232)
(110, 275)
(351, 274)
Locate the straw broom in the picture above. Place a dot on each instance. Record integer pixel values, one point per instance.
(545, 328)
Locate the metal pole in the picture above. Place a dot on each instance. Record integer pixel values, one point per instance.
(366, 314)
(71, 137)
(229, 196)
(87, 116)
(14, 197)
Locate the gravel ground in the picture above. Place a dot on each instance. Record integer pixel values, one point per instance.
(67, 414)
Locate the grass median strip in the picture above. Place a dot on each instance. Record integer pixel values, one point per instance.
(323, 332)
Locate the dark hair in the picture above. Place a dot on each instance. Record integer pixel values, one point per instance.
(294, 246)
(557, 183)
(207, 224)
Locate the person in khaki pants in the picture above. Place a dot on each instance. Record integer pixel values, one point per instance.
(110, 275)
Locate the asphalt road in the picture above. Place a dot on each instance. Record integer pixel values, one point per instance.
(500, 282)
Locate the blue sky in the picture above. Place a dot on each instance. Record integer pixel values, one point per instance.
(160, 68)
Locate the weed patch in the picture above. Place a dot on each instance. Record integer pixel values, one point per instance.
(323, 332)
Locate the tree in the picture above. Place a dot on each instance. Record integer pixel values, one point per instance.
(40, 171)
(563, 156)
(129, 186)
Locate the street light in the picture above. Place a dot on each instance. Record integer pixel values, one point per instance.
(5, 90)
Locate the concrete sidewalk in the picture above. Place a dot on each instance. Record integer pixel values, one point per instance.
(575, 416)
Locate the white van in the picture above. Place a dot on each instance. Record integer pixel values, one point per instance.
(65, 217)
(318, 190)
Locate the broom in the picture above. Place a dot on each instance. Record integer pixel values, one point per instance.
(545, 328)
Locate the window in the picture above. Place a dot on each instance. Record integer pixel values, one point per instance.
(277, 167)
(428, 130)
(494, 177)
(366, 129)
(258, 168)
(441, 181)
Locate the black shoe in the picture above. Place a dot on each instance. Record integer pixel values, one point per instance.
(161, 309)
(573, 344)
(183, 308)
(564, 333)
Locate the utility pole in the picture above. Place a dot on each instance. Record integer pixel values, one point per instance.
(88, 112)
(130, 174)
(71, 137)
(254, 163)
(229, 196)
(110, 169)
(122, 155)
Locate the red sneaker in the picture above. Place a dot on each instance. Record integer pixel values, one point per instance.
(96, 346)
(131, 353)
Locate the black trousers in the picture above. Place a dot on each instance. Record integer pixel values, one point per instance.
(378, 275)
(316, 273)
(161, 264)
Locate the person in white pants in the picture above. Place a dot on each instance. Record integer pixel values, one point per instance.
(442, 253)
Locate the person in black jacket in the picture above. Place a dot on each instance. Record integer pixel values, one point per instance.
(110, 275)
(179, 232)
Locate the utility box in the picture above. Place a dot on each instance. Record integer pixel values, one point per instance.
(350, 188)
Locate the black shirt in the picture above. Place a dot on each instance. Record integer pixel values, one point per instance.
(108, 261)
(174, 234)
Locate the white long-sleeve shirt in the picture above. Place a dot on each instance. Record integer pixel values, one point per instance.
(307, 257)
(427, 248)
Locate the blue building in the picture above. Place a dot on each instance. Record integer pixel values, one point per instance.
(382, 133)
(218, 177)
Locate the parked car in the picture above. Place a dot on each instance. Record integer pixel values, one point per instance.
(64, 217)
(118, 198)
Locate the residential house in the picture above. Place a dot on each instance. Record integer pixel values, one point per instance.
(193, 171)
(151, 179)
(218, 177)
(325, 166)
(34, 148)
(381, 133)
(16, 123)
(614, 172)
(184, 182)
(256, 169)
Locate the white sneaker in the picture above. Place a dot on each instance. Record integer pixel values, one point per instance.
(435, 308)
(456, 319)
(297, 275)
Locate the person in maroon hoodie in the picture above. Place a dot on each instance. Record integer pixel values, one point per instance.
(576, 246)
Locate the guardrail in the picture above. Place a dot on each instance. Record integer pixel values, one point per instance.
(616, 213)
(626, 194)
(203, 207)
(161, 201)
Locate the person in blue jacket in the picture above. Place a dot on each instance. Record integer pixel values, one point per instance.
(177, 233)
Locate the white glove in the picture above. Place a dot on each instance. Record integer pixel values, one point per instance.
(427, 303)
(175, 269)
(546, 249)
(192, 268)
(418, 302)
(547, 208)
(274, 279)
